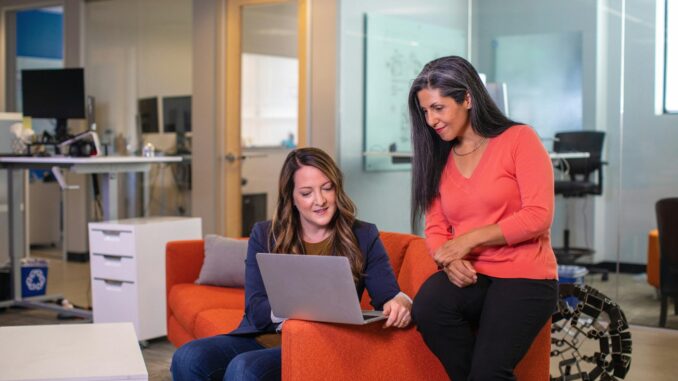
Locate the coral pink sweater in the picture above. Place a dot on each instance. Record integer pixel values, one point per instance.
(512, 186)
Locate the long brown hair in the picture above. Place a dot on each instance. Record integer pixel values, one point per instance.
(286, 234)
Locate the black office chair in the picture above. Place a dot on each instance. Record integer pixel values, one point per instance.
(580, 183)
(667, 224)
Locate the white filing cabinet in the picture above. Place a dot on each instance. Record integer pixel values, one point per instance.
(127, 259)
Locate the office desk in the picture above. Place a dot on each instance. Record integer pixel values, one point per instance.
(406, 157)
(569, 155)
(109, 166)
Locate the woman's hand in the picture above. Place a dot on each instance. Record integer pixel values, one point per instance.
(398, 312)
(459, 247)
(452, 250)
(461, 273)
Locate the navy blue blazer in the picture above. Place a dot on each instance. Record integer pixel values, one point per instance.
(378, 276)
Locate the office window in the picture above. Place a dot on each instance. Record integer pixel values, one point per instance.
(269, 100)
(671, 58)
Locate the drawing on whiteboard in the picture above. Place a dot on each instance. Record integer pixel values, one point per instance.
(395, 52)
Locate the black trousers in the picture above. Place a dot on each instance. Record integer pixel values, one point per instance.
(481, 332)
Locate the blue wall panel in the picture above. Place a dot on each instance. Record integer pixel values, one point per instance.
(40, 34)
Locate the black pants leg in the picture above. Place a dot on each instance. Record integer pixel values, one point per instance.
(508, 314)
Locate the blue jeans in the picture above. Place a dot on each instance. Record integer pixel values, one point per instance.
(231, 358)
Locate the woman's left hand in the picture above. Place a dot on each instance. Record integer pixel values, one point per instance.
(398, 312)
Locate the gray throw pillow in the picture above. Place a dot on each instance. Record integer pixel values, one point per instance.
(224, 263)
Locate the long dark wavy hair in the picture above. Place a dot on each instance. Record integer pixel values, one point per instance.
(286, 231)
(456, 78)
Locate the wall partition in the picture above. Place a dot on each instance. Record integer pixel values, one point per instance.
(138, 68)
(561, 66)
(648, 152)
(383, 45)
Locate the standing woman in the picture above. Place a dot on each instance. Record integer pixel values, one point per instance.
(313, 216)
(485, 184)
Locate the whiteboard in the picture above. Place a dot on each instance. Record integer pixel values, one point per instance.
(396, 50)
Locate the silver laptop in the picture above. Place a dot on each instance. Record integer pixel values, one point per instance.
(313, 287)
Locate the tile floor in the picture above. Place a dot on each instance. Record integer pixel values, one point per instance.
(654, 350)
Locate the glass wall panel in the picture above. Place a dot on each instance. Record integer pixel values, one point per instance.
(584, 66)
(443, 24)
(547, 56)
(564, 67)
(138, 67)
(648, 155)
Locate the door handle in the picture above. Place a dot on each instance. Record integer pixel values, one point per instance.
(231, 158)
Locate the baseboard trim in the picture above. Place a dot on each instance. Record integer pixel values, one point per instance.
(624, 268)
(73, 256)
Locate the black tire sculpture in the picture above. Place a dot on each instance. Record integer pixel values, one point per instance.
(584, 316)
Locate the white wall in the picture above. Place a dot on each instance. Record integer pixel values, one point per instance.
(382, 197)
(207, 95)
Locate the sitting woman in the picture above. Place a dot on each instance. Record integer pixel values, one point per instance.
(485, 184)
(313, 216)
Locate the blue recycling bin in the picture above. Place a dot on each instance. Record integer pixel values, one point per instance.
(571, 274)
(33, 277)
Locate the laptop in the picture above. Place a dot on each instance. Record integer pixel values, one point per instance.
(313, 287)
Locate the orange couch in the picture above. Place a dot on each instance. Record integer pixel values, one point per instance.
(320, 351)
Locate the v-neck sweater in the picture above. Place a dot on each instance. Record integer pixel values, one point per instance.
(512, 186)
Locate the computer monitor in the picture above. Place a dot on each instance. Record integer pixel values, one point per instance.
(54, 94)
(499, 93)
(148, 115)
(176, 112)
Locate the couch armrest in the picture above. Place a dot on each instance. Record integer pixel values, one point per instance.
(320, 351)
(183, 261)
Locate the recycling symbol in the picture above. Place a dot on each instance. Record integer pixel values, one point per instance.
(35, 281)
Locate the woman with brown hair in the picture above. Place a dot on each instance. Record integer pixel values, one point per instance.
(313, 216)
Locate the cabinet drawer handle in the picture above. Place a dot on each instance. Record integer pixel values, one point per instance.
(115, 283)
(111, 284)
(113, 258)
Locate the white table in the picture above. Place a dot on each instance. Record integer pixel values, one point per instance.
(109, 166)
(103, 352)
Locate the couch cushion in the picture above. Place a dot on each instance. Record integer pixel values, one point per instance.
(217, 321)
(416, 268)
(186, 301)
(224, 263)
(177, 334)
(396, 245)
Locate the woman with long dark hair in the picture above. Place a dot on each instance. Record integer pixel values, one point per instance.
(313, 216)
(485, 185)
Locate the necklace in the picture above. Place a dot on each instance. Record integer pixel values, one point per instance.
(480, 143)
